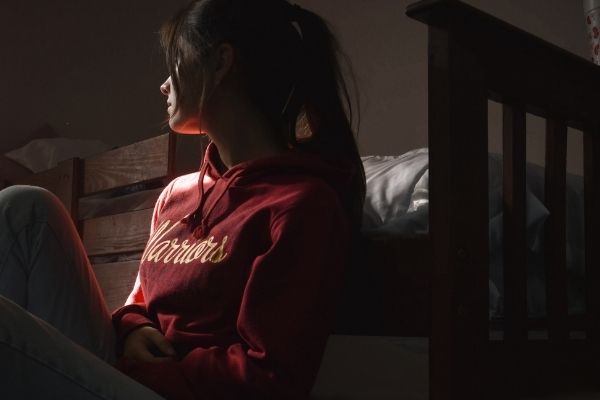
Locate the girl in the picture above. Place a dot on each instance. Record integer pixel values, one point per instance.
(237, 285)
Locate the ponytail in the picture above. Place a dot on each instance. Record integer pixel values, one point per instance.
(320, 107)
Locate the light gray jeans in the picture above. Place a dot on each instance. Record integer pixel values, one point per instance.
(56, 337)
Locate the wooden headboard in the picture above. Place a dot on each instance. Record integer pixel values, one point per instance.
(122, 234)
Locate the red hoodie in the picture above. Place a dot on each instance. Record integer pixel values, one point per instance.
(241, 274)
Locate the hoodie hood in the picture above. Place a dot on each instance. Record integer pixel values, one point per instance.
(214, 182)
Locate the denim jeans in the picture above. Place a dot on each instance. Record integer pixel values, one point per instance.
(56, 337)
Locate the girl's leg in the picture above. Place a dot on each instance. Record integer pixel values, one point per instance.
(45, 270)
(37, 362)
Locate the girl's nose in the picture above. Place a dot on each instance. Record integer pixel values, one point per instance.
(166, 86)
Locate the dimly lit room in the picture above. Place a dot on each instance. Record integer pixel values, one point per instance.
(310, 199)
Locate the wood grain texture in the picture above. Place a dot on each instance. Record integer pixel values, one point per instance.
(514, 232)
(119, 233)
(90, 207)
(116, 281)
(137, 162)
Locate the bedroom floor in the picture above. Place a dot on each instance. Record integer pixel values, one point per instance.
(384, 368)
(360, 367)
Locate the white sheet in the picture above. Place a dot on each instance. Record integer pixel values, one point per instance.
(397, 201)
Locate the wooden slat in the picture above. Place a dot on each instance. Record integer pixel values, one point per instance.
(61, 180)
(116, 281)
(89, 208)
(555, 230)
(137, 162)
(458, 219)
(592, 229)
(514, 237)
(119, 233)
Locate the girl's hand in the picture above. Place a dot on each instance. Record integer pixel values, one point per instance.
(148, 344)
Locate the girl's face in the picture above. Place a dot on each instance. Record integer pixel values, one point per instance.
(179, 120)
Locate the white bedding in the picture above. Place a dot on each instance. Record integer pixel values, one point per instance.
(397, 201)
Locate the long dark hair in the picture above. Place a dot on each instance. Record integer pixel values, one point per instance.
(289, 61)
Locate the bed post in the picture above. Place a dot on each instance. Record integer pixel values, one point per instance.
(555, 249)
(463, 43)
(592, 224)
(458, 218)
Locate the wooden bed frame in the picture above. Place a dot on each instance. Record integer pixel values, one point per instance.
(474, 57)
(149, 164)
(434, 285)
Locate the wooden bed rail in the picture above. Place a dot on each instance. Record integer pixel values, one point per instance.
(138, 162)
(152, 162)
(519, 67)
(149, 163)
(474, 57)
(158, 158)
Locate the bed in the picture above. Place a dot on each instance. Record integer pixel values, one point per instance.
(433, 282)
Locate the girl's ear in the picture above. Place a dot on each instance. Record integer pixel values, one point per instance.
(223, 60)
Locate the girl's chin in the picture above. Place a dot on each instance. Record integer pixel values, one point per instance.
(188, 132)
(186, 129)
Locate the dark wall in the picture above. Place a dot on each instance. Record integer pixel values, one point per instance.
(92, 69)
(89, 69)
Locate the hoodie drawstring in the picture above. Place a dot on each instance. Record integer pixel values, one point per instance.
(202, 229)
(192, 219)
(196, 221)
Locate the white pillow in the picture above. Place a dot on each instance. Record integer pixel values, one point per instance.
(42, 154)
(395, 185)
